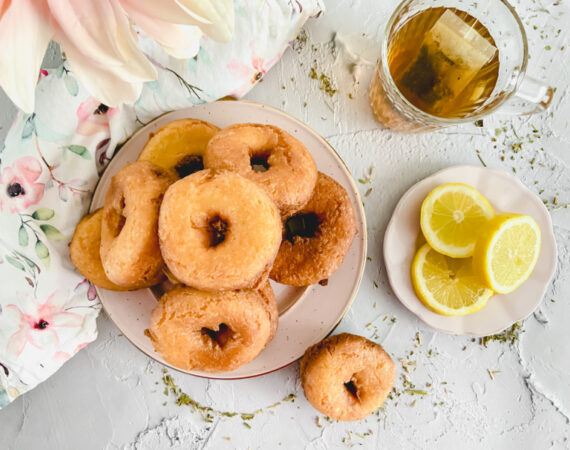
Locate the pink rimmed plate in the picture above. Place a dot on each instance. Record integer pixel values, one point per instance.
(306, 315)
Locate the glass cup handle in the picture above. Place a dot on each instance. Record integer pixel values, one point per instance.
(532, 96)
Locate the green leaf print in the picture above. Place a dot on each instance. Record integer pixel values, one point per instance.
(52, 233)
(17, 264)
(71, 85)
(29, 127)
(79, 150)
(43, 214)
(23, 238)
(42, 252)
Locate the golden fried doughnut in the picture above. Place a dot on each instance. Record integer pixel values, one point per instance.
(84, 251)
(317, 237)
(269, 156)
(347, 377)
(179, 145)
(129, 240)
(209, 331)
(218, 231)
(270, 302)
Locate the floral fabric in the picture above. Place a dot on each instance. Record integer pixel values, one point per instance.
(52, 159)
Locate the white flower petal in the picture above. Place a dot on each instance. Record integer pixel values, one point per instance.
(220, 14)
(24, 36)
(103, 84)
(191, 49)
(101, 31)
(180, 41)
(90, 24)
(133, 57)
(165, 10)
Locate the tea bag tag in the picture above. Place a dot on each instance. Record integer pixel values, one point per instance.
(466, 50)
(449, 57)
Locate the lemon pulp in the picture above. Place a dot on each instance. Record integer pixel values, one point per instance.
(452, 216)
(447, 285)
(507, 251)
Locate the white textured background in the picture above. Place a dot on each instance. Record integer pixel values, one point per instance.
(111, 396)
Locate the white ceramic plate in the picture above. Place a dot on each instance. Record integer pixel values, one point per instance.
(307, 315)
(506, 194)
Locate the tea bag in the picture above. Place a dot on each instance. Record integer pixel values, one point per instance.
(450, 55)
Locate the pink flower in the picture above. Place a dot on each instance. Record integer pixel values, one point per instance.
(93, 117)
(18, 187)
(39, 325)
(99, 41)
(252, 73)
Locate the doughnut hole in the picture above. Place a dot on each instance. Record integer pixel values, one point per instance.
(259, 161)
(304, 225)
(217, 230)
(219, 337)
(188, 165)
(351, 387)
(116, 218)
(213, 227)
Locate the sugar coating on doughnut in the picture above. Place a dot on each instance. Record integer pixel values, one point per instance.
(84, 251)
(303, 260)
(291, 172)
(179, 145)
(347, 377)
(218, 231)
(209, 331)
(130, 252)
(270, 302)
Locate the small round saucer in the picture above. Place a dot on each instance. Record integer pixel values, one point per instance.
(506, 194)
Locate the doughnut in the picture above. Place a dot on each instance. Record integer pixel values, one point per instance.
(209, 331)
(269, 156)
(180, 145)
(84, 251)
(129, 241)
(270, 302)
(317, 237)
(346, 377)
(218, 231)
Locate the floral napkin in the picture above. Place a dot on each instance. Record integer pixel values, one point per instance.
(51, 161)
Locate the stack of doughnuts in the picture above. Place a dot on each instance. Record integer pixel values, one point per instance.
(218, 212)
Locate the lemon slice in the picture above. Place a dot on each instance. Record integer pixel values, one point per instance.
(507, 251)
(446, 285)
(452, 216)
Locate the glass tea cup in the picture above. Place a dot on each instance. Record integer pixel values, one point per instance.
(446, 62)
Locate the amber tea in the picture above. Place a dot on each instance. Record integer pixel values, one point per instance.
(441, 66)
(444, 62)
